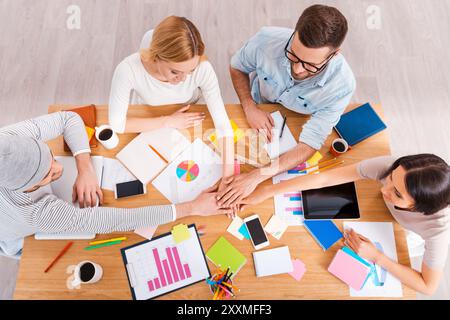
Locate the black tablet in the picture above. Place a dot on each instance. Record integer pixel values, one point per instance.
(335, 202)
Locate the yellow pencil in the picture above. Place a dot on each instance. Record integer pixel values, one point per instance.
(326, 167)
(109, 240)
(321, 164)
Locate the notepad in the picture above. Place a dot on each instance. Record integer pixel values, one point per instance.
(350, 268)
(180, 233)
(224, 254)
(234, 227)
(278, 146)
(324, 232)
(359, 124)
(272, 261)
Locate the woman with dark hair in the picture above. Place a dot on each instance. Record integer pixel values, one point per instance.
(416, 190)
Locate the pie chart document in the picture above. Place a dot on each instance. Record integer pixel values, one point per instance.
(197, 168)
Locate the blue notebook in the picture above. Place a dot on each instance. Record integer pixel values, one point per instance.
(359, 124)
(324, 231)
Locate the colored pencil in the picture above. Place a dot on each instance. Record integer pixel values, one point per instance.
(63, 251)
(107, 240)
(326, 167)
(158, 154)
(107, 244)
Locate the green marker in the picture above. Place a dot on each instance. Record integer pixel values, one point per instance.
(107, 244)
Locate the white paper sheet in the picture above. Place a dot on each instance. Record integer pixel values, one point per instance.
(207, 170)
(383, 233)
(278, 146)
(113, 173)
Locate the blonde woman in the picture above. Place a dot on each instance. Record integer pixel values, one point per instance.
(170, 69)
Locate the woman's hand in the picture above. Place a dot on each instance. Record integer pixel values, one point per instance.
(182, 119)
(238, 187)
(361, 245)
(256, 197)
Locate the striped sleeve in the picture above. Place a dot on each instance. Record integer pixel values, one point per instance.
(53, 215)
(50, 126)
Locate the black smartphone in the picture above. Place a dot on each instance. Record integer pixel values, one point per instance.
(128, 189)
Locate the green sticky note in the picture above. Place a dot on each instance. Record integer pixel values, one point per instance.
(180, 233)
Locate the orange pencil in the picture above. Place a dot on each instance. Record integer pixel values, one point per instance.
(159, 154)
(327, 167)
(59, 256)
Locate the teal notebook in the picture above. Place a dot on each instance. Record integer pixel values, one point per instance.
(359, 124)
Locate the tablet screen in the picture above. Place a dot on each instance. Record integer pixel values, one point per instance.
(335, 202)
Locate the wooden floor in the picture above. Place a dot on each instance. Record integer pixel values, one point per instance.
(405, 64)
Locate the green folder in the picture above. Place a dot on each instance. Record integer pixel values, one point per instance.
(224, 255)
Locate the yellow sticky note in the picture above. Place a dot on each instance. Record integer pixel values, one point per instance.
(180, 233)
(238, 134)
(90, 132)
(315, 159)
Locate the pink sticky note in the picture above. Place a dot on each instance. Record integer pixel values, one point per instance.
(146, 232)
(299, 269)
(349, 270)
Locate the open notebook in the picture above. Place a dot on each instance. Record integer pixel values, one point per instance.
(108, 171)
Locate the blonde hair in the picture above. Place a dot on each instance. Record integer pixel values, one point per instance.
(175, 39)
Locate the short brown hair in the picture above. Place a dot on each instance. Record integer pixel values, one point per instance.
(175, 39)
(322, 26)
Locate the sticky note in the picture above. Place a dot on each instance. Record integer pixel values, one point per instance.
(90, 132)
(315, 159)
(234, 227)
(276, 227)
(238, 134)
(180, 233)
(244, 231)
(146, 232)
(299, 269)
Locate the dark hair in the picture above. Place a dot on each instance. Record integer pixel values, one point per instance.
(427, 181)
(321, 26)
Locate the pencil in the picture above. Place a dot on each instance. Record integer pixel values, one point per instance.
(108, 240)
(326, 167)
(159, 154)
(320, 164)
(107, 244)
(63, 251)
(282, 127)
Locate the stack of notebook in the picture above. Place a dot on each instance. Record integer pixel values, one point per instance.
(350, 268)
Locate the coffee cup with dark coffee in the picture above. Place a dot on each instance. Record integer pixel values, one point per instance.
(107, 137)
(86, 272)
(339, 146)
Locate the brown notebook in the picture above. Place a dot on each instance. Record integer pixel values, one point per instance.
(88, 115)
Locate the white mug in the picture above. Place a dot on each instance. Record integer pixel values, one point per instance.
(86, 272)
(109, 142)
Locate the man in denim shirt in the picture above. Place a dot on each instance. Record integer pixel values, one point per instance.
(301, 69)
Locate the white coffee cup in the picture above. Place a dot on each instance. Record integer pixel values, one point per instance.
(107, 137)
(86, 272)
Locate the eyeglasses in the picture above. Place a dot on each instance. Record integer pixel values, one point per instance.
(306, 65)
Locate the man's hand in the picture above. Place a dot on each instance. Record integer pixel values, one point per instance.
(239, 187)
(259, 120)
(86, 188)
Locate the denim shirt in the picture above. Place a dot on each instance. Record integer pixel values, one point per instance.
(323, 96)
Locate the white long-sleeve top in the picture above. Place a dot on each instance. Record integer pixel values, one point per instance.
(130, 77)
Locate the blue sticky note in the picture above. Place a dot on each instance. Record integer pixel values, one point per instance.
(244, 231)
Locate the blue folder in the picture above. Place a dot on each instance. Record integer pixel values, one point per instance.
(359, 124)
(324, 231)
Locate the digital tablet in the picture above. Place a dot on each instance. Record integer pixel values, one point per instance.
(335, 202)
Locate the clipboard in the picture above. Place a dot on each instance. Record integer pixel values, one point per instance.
(131, 273)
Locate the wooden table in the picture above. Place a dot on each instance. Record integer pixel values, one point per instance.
(317, 283)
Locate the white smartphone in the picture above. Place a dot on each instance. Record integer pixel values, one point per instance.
(256, 231)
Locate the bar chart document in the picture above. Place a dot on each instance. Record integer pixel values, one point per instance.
(160, 265)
